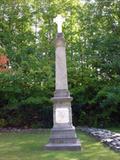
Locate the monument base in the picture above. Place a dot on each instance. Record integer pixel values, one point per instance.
(63, 135)
(63, 139)
(69, 147)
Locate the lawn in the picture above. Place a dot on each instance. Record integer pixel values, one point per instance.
(30, 146)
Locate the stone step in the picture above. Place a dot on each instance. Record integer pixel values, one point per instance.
(63, 140)
(69, 146)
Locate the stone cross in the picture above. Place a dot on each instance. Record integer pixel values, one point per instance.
(59, 21)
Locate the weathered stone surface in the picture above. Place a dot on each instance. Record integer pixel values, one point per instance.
(63, 138)
(61, 68)
(63, 135)
(62, 115)
(68, 146)
(107, 137)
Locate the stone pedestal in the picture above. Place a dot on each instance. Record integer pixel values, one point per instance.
(63, 135)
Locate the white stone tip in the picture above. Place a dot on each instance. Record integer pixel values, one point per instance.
(59, 21)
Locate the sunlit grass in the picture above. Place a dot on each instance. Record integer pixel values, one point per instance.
(30, 146)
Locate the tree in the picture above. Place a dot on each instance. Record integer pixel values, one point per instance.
(92, 38)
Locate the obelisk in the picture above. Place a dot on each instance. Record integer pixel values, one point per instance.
(63, 135)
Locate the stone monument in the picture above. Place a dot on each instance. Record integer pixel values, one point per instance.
(63, 135)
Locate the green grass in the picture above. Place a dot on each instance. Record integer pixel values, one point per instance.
(30, 146)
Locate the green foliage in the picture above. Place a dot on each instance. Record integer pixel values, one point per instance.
(92, 33)
(2, 123)
(109, 97)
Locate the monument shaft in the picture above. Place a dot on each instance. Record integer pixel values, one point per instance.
(61, 68)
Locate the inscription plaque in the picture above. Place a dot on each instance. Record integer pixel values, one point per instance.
(62, 115)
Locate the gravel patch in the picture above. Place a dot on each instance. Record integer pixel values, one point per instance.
(111, 139)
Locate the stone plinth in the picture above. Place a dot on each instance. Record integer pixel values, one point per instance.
(63, 136)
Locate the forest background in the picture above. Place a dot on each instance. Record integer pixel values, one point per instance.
(27, 36)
